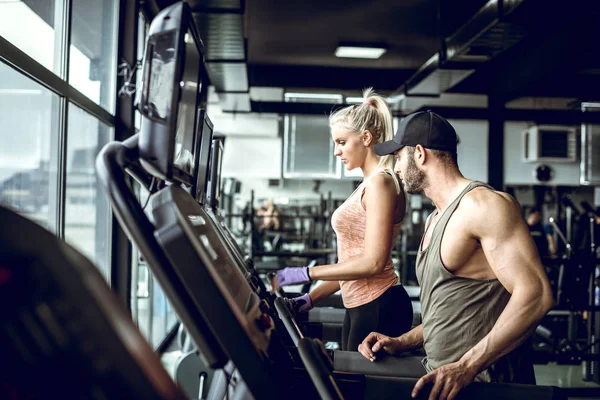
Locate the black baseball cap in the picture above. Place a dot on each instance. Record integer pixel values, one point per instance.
(426, 128)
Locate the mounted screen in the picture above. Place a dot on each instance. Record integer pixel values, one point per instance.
(186, 120)
(203, 150)
(159, 75)
(172, 80)
(214, 176)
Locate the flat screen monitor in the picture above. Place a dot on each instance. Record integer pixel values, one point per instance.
(214, 175)
(169, 96)
(203, 147)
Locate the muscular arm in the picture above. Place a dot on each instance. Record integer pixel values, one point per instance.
(380, 201)
(412, 339)
(375, 342)
(324, 290)
(511, 253)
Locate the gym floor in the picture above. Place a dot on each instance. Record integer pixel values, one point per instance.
(552, 374)
(565, 376)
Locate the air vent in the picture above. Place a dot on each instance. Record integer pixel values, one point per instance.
(550, 143)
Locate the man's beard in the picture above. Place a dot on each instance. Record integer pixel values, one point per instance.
(414, 179)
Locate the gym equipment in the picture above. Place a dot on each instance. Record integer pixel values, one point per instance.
(63, 332)
(235, 321)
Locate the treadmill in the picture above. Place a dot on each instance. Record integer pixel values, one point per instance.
(63, 332)
(222, 309)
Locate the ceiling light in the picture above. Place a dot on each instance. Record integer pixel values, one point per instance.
(332, 96)
(358, 51)
(354, 100)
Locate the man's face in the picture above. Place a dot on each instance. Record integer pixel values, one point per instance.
(414, 180)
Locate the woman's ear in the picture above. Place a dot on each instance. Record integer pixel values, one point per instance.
(367, 138)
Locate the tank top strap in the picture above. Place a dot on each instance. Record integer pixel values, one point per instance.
(381, 171)
(445, 217)
(394, 177)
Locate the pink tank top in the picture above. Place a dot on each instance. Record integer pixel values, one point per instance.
(349, 222)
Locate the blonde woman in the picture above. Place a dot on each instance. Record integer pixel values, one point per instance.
(367, 224)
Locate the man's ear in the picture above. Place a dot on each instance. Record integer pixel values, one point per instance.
(420, 154)
(367, 138)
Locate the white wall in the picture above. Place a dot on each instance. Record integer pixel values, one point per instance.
(473, 148)
(254, 157)
(518, 172)
(295, 189)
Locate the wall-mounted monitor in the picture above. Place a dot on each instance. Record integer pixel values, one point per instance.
(214, 175)
(203, 149)
(169, 96)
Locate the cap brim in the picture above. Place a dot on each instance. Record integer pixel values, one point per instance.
(387, 148)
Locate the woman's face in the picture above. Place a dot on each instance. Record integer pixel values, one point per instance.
(349, 147)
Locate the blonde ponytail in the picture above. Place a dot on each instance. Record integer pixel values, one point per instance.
(373, 115)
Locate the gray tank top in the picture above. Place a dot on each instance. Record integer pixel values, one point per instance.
(458, 312)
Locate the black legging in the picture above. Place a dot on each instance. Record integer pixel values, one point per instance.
(390, 314)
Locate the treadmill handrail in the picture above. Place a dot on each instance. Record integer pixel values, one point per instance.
(286, 316)
(318, 371)
(112, 161)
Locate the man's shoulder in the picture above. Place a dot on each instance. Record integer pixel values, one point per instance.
(485, 196)
(489, 204)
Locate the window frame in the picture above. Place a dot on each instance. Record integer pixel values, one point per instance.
(57, 83)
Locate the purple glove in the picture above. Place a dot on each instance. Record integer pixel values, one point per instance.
(301, 303)
(292, 276)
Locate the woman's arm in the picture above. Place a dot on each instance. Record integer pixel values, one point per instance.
(324, 290)
(380, 201)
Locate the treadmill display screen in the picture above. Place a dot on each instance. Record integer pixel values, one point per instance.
(203, 159)
(214, 183)
(183, 156)
(161, 58)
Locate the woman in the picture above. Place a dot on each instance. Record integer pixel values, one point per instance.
(367, 224)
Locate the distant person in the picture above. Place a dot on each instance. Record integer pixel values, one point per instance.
(583, 238)
(541, 233)
(269, 216)
(367, 225)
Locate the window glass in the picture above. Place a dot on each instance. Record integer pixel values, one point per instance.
(28, 147)
(92, 59)
(35, 27)
(87, 213)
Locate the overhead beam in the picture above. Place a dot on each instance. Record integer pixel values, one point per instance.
(330, 78)
(542, 57)
(541, 116)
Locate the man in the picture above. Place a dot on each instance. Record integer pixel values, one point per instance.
(269, 215)
(542, 234)
(483, 288)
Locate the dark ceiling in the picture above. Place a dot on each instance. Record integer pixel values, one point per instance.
(306, 33)
(290, 44)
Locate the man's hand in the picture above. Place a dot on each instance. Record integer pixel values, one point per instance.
(447, 381)
(375, 342)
